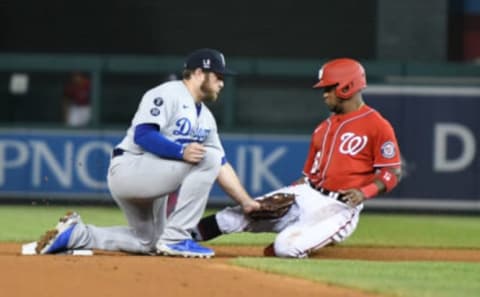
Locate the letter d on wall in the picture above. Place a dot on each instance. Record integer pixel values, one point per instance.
(440, 147)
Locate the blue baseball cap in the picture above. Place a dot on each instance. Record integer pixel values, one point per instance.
(207, 59)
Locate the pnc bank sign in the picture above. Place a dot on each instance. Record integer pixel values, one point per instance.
(45, 163)
(37, 164)
(41, 163)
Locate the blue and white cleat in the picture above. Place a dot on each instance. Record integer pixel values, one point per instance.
(187, 248)
(56, 240)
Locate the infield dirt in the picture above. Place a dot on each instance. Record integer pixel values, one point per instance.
(118, 274)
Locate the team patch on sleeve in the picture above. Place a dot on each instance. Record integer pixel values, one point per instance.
(158, 101)
(388, 150)
(155, 111)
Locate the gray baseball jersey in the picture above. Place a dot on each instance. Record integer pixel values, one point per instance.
(172, 108)
(139, 181)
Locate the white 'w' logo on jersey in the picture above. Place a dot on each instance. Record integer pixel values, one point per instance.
(352, 144)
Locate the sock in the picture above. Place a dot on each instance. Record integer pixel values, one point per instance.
(206, 229)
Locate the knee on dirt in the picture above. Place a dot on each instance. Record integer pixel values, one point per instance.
(288, 247)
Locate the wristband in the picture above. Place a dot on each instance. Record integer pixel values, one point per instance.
(369, 191)
(389, 179)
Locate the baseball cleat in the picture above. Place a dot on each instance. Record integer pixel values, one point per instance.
(269, 251)
(56, 240)
(187, 248)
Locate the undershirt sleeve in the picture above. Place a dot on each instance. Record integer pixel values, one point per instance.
(150, 139)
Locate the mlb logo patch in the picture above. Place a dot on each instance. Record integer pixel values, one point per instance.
(154, 111)
(388, 150)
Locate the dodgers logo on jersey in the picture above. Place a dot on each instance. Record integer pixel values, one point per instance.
(201, 134)
(352, 144)
(184, 128)
(388, 150)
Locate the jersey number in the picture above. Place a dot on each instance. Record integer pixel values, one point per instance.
(316, 163)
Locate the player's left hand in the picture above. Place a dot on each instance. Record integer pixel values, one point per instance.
(352, 197)
(194, 153)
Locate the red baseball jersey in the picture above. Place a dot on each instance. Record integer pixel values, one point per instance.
(346, 148)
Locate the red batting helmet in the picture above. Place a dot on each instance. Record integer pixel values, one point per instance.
(347, 74)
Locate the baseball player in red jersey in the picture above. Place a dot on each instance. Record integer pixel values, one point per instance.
(353, 156)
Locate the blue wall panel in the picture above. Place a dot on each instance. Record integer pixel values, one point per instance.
(438, 132)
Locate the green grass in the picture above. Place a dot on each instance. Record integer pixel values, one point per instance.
(23, 223)
(402, 279)
(27, 223)
(394, 230)
(417, 231)
(412, 279)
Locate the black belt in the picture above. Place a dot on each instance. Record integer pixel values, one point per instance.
(117, 152)
(331, 194)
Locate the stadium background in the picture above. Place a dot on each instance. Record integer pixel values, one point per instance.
(421, 59)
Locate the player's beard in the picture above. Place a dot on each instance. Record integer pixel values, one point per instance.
(336, 107)
(206, 88)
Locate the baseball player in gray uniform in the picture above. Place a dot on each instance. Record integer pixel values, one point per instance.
(172, 144)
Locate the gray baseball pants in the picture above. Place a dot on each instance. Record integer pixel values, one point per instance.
(140, 184)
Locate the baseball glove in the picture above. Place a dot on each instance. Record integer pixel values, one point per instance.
(273, 206)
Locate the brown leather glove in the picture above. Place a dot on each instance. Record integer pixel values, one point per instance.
(273, 206)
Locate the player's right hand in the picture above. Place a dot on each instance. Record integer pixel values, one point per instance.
(250, 205)
(352, 197)
(194, 153)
